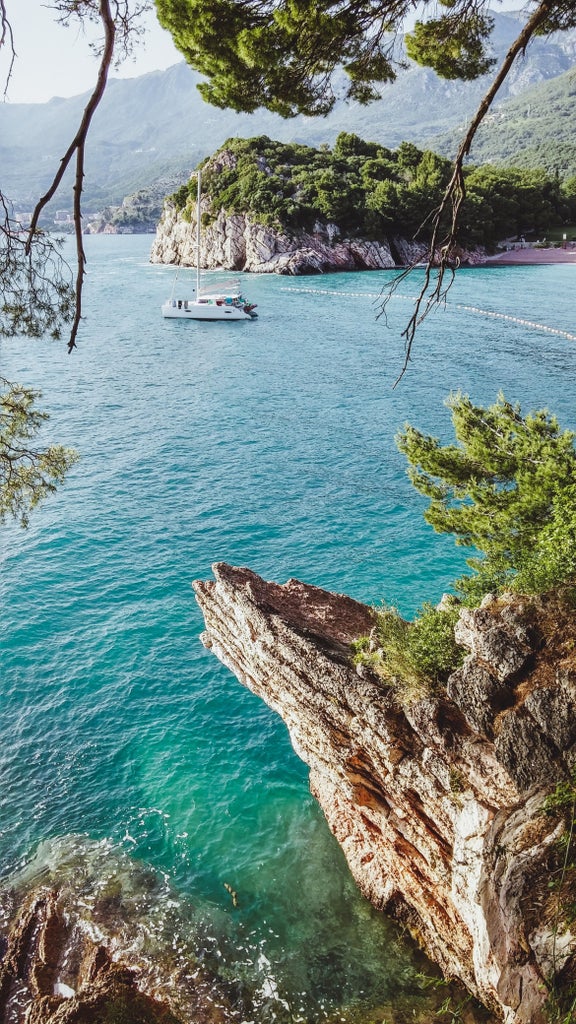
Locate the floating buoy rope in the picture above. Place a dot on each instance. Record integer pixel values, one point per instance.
(449, 306)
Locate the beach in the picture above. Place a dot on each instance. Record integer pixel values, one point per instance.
(530, 256)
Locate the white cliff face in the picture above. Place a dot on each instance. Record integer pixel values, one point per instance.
(438, 805)
(236, 243)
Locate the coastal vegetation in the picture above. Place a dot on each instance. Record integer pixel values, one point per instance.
(370, 191)
(415, 658)
(505, 489)
(286, 57)
(28, 472)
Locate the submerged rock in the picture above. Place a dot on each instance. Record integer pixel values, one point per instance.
(89, 936)
(439, 806)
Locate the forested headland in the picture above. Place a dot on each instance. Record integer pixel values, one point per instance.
(371, 191)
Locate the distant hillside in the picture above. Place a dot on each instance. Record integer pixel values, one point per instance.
(157, 127)
(535, 129)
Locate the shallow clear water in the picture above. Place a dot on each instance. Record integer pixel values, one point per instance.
(268, 444)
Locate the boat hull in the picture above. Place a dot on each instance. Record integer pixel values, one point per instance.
(192, 310)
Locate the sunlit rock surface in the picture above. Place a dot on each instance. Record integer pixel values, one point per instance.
(236, 243)
(87, 935)
(437, 805)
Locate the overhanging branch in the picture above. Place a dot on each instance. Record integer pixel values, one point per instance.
(77, 146)
(7, 36)
(442, 258)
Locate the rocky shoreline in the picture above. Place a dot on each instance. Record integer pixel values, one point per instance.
(88, 935)
(439, 805)
(235, 242)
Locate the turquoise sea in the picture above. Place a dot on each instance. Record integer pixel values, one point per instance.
(268, 444)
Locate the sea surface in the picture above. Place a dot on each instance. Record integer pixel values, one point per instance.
(268, 444)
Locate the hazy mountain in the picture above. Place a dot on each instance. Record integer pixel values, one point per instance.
(156, 127)
(535, 129)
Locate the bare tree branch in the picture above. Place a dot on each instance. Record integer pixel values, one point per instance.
(442, 251)
(35, 295)
(78, 146)
(6, 34)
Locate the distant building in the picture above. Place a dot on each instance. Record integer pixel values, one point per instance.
(23, 217)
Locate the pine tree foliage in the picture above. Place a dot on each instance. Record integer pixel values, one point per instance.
(286, 55)
(28, 472)
(507, 488)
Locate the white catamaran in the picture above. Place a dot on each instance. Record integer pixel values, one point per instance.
(226, 304)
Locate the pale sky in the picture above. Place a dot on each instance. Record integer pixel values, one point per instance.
(57, 61)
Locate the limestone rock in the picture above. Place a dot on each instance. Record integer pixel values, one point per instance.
(42, 946)
(237, 243)
(439, 805)
(497, 635)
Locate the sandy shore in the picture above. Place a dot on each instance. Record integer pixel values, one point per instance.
(534, 257)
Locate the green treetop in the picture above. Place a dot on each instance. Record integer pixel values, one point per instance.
(283, 54)
(506, 488)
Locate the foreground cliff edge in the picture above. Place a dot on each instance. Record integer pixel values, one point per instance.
(439, 806)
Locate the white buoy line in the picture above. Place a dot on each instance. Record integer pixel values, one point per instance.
(448, 305)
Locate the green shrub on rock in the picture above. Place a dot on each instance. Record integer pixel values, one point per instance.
(413, 657)
(507, 489)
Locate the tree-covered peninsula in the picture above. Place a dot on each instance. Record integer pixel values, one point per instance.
(373, 192)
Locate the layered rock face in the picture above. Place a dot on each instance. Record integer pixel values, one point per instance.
(438, 805)
(237, 243)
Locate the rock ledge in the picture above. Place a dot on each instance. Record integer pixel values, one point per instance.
(439, 805)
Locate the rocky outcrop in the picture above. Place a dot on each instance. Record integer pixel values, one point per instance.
(138, 213)
(237, 243)
(438, 805)
(89, 936)
(39, 944)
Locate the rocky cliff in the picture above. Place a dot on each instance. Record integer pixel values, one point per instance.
(236, 243)
(438, 805)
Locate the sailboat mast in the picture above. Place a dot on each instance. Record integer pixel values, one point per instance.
(198, 237)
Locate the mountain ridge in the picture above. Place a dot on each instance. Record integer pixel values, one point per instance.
(517, 131)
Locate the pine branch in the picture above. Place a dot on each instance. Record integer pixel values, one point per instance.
(77, 146)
